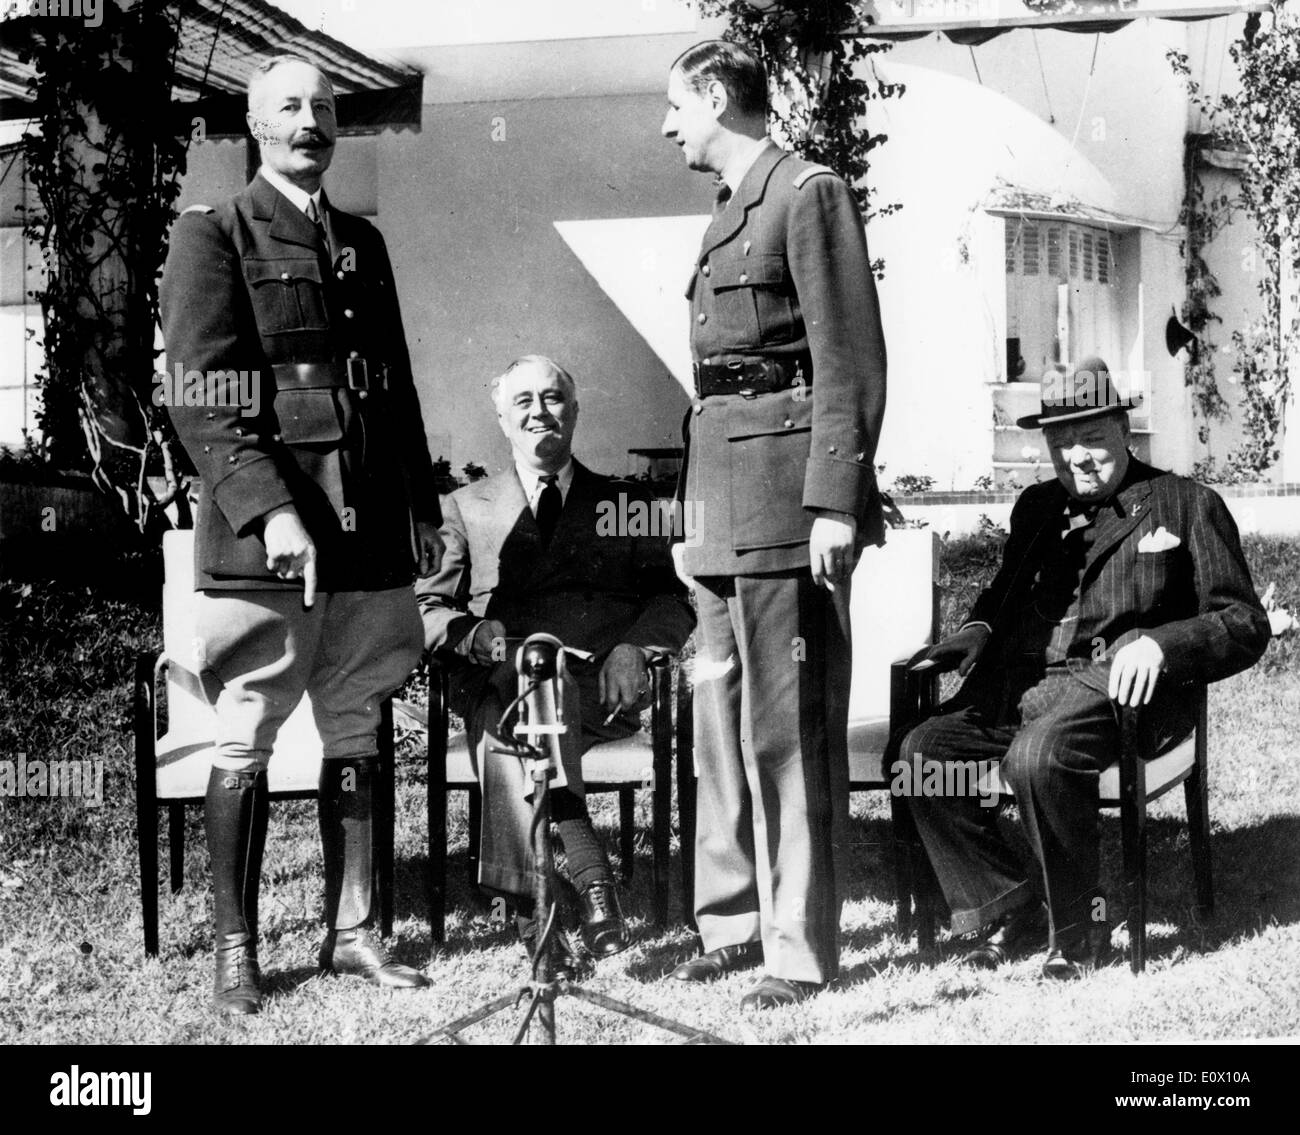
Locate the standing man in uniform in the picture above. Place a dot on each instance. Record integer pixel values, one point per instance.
(780, 443)
(318, 506)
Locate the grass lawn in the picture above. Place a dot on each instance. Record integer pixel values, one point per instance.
(73, 968)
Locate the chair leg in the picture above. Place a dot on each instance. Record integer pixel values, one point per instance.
(1133, 816)
(904, 837)
(146, 802)
(685, 730)
(436, 804)
(1196, 792)
(475, 794)
(660, 783)
(926, 887)
(626, 834)
(437, 878)
(386, 821)
(176, 844)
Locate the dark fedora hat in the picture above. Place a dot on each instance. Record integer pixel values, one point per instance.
(1087, 392)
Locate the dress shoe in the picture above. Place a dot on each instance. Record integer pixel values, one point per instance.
(1021, 931)
(773, 992)
(358, 953)
(724, 960)
(236, 990)
(604, 932)
(1079, 954)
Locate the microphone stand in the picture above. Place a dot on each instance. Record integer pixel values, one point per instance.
(540, 664)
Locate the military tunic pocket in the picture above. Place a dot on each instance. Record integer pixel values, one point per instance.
(768, 440)
(752, 300)
(287, 295)
(308, 417)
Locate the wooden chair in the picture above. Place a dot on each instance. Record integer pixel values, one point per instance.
(171, 768)
(1129, 783)
(893, 612)
(642, 761)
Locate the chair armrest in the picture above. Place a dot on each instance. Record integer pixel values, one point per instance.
(914, 693)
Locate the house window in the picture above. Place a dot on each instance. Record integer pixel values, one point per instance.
(21, 327)
(1061, 306)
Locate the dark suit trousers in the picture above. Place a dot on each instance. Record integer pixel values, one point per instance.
(505, 845)
(1052, 757)
(771, 692)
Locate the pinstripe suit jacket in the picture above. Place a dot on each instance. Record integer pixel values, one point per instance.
(1195, 599)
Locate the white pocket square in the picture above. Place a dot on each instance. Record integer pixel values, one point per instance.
(1161, 540)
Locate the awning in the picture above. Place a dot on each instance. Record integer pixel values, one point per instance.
(221, 41)
(977, 21)
(1008, 200)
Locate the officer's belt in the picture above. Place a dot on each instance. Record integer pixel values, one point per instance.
(351, 374)
(752, 376)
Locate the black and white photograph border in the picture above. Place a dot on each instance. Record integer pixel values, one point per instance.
(1042, 183)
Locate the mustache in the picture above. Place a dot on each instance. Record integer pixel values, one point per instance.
(314, 137)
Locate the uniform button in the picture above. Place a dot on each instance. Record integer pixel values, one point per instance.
(354, 354)
(348, 313)
(704, 271)
(211, 415)
(830, 449)
(239, 431)
(234, 459)
(207, 449)
(698, 407)
(862, 456)
(744, 278)
(788, 423)
(341, 274)
(277, 437)
(284, 275)
(701, 318)
(363, 395)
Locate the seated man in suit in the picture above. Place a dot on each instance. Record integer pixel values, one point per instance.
(535, 549)
(1120, 584)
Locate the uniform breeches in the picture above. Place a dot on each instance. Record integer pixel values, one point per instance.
(261, 651)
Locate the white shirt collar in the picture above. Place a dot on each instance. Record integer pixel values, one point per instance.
(299, 197)
(532, 482)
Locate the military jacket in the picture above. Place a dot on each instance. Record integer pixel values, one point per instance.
(783, 271)
(248, 286)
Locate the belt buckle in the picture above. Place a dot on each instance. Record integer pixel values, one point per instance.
(358, 375)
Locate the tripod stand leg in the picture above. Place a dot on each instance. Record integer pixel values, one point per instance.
(544, 962)
(694, 1035)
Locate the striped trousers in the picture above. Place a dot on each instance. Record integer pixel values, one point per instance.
(1062, 731)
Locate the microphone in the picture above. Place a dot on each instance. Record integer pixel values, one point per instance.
(539, 663)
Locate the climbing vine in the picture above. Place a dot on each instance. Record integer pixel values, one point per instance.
(104, 165)
(813, 60)
(1262, 121)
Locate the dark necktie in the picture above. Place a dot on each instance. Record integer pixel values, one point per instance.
(548, 507)
(313, 215)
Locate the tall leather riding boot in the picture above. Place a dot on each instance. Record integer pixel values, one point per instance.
(235, 816)
(347, 840)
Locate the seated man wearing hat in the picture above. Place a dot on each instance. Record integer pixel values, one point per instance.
(1120, 584)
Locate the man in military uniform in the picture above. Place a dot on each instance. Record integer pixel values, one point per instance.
(318, 502)
(780, 440)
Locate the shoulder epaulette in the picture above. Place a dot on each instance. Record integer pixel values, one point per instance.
(811, 171)
(198, 209)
